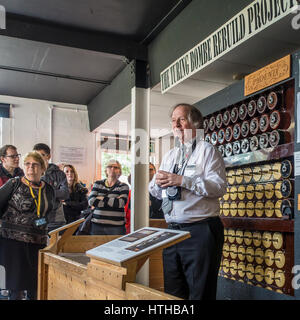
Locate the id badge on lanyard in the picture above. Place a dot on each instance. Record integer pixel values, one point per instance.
(40, 221)
(180, 170)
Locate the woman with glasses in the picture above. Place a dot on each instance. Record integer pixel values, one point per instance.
(77, 200)
(108, 198)
(9, 166)
(24, 205)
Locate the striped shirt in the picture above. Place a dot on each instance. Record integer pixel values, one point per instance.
(109, 210)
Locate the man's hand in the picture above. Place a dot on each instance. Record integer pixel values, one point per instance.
(166, 179)
(100, 198)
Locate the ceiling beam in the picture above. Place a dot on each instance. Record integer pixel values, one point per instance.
(55, 75)
(21, 27)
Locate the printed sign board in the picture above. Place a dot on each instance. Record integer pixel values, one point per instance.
(250, 21)
(267, 76)
(135, 244)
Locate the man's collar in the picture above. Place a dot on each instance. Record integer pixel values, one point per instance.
(6, 172)
(188, 144)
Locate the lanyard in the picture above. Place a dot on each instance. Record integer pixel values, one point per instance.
(180, 171)
(37, 203)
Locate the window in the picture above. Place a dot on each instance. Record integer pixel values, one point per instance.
(4, 110)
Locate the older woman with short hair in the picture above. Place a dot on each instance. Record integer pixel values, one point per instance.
(24, 206)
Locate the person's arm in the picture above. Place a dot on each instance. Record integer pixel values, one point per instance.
(212, 182)
(80, 204)
(5, 194)
(118, 202)
(62, 192)
(93, 199)
(154, 188)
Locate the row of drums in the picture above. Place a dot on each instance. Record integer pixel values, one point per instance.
(267, 122)
(260, 173)
(258, 209)
(267, 257)
(245, 111)
(254, 255)
(260, 142)
(248, 272)
(266, 239)
(272, 190)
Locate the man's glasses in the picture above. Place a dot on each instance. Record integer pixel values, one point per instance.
(14, 156)
(34, 165)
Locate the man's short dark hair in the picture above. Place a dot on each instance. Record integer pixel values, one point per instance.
(4, 149)
(41, 146)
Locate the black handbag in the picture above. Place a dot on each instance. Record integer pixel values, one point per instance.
(85, 227)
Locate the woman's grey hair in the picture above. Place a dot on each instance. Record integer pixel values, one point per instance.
(37, 157)
(193, 114)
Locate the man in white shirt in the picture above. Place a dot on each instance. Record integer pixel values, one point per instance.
(190, 182)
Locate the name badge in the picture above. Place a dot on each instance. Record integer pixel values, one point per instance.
(40, 222)
(190, 170)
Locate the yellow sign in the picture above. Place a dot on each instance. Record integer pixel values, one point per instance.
(267, 76)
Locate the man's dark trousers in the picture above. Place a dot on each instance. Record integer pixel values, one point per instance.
(191, 266)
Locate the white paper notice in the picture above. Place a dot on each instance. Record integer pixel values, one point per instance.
(72, 155)
(297, 163)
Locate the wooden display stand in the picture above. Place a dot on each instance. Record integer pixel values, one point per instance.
(66, 273)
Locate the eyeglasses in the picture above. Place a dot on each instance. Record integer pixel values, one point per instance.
(181, 120)
(34, 165)
(14, 156)
(115, 167)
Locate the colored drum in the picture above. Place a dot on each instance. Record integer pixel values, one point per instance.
(254, 126)
(273, 100)
(236, 131)
(234, 115)
(245, 146)
(245, 129)
(264, 123)
(226, 118)
(228, 134)
(254, 144)
(212, 123)
(261, 104)
(252, 108)
(219, 120)
(243, 112)
(214, 138)
(278, 137)
(280, 120)
(221, 136)
(263, 141)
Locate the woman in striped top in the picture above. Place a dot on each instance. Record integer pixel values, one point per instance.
(108, 198)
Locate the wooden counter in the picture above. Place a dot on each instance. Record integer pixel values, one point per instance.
(66, 273)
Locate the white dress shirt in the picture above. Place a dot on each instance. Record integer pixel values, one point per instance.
(203, 183)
